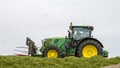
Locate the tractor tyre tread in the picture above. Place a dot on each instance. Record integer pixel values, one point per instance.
(89, 42)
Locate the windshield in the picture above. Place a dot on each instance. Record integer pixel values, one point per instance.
(79, 33)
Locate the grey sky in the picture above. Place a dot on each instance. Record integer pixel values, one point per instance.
(39, 19)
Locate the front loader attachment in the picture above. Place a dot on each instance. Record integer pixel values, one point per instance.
(32, 49)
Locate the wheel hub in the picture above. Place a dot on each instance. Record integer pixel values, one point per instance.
(52, 53)
(89, 50)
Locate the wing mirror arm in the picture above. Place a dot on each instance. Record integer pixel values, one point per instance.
(68, 34)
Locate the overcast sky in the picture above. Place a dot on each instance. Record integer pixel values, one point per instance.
(39, 19)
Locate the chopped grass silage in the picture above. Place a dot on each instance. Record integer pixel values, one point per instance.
(68, 62)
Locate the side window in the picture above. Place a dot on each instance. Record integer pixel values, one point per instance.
(76, 34)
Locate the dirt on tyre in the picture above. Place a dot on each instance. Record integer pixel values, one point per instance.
(89, 48)
(52, 52)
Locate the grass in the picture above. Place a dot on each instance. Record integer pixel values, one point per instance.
(68, 62)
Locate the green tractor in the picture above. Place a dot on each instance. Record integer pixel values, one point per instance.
(79, 43)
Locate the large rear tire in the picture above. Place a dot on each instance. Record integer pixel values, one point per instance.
(52, 52)
(89, 48)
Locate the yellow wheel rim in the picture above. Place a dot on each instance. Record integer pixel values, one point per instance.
(52, 53)
(89, 50)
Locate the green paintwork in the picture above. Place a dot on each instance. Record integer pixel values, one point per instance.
(105, 53)
(60, 42)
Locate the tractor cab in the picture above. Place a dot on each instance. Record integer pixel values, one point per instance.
(79, 32)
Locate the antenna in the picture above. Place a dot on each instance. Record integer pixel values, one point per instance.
(84, 17)
(84, 20)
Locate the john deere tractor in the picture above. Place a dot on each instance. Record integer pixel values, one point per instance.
(79, 43)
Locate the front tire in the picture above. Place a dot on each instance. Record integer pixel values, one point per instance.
(52, 52)
(89, 48)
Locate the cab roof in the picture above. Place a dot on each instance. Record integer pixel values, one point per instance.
(89, 27)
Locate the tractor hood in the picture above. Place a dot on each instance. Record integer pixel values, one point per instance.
(56, 38)
(48, 41)
(55, 41)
